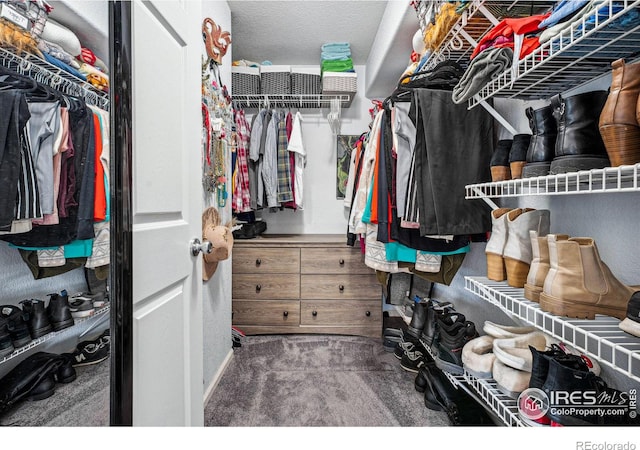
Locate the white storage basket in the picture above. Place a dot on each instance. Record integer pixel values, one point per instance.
(275, 80)
(245, 80)
(305, 80)
(339, 82)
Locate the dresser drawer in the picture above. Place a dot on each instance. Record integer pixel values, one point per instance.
(339, 287)
(340, 312)
(332, 260)
(266, 312)
(248, 286)
(266, 260)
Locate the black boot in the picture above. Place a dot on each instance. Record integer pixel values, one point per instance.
(565, 379)
(39, 323)
(418, 319)
(32, 376)
(542, 146)
(6, 346)
(59, 312)
(518, 154)
(540, 364)
(579, 145)
(500, 170)
(16, 324)
(454, 331)
(431, 324)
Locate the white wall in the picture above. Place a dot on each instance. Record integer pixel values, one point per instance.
(322, 213)
(216, 293)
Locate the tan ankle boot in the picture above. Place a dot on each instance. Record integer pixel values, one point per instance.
(618, 122)
(495, 245)
(517, 250)
(579, 284)
(539, 265)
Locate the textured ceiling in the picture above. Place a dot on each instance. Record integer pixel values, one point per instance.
(292, 32)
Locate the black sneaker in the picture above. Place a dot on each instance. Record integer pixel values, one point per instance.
(402, 347)
(17, 324)
(412, 361)
(81, 305)
(92, 352)
(6, 346)
(454, 332)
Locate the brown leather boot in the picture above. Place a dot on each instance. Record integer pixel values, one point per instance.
(618, 122)
(579, 284)
(539, 265)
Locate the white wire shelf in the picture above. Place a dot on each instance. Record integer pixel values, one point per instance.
(600, 338)
(293, 100)
(578, 54)
(607, 180)
(485, 392)
(78, 328)
(474, 22)
(44, 72)
(502, 405)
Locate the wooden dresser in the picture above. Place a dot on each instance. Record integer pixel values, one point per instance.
(304, 284)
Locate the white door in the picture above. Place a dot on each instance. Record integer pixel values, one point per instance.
(166, 215)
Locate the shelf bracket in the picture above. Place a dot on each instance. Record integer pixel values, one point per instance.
(486, 199)
(497, 116)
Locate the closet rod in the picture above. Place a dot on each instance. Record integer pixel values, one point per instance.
(46, 73)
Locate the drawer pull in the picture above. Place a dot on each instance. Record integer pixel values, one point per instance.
(368, 313)
(258, 287)
(286, 313)
(258, 262)
(314, 313)
(341, 262)
(341, 287)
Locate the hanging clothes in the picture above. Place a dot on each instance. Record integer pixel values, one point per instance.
(241, 197)
(296, 146)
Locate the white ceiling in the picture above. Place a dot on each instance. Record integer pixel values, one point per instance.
(292, 32)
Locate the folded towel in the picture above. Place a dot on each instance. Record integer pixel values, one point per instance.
(337, 66)
(66, 67)
(336, 46)
(335, 57)
(484, 67)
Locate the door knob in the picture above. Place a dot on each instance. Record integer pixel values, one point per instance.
(197, 246)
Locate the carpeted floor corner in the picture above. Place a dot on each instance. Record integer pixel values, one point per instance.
(317, 381)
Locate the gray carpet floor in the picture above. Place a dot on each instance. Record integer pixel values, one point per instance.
(317, 381)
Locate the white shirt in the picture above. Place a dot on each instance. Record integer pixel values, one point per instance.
(296, 145)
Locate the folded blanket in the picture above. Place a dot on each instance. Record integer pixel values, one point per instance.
(562, 12)
(330, 56)
(483, 68)
(337, 66)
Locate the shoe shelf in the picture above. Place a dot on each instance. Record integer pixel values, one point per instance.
(79, 327)
(609, 179)
(502, 405)
(478, 18)
(600, 338)
(484, 392)
(581, 52)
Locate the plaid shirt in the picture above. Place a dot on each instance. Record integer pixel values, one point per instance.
(241, 199)
(284, 172)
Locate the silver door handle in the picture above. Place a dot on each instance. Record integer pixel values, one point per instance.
(197, 246)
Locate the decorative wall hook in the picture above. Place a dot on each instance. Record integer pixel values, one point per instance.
(216, 41)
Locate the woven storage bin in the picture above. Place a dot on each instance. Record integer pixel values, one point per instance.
(245, 80)
(36, 11)
(339, 82)
(305, 80)
(275, 80)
